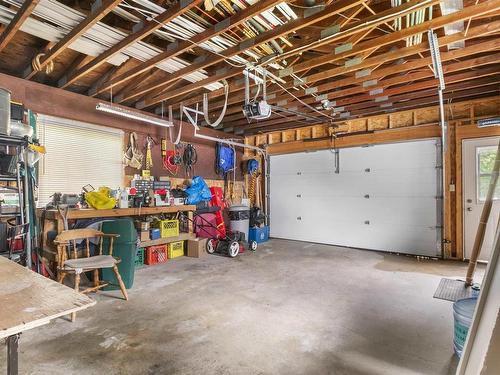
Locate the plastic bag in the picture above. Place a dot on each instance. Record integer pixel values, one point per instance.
(198, 191)
(100, 199)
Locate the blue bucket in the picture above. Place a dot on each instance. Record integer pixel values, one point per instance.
(463, 310)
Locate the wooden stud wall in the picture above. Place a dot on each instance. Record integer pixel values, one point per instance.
(415, 124)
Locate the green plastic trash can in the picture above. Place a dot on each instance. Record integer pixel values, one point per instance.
(124, 247)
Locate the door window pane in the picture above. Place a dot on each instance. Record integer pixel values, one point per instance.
(485, 163)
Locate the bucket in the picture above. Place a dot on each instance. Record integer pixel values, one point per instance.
(239, 219)
(463, 310)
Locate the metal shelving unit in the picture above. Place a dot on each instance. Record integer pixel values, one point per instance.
(20, 145)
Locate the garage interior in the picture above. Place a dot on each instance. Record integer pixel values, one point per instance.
(249, 187)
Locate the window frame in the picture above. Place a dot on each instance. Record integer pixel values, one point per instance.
(479, 174)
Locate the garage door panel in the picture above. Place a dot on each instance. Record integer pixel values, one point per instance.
(390, 210)
(418, 239)
(350, 184)
(384, 198)
(403, 182)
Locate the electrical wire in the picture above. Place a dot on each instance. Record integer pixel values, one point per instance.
(304, 103)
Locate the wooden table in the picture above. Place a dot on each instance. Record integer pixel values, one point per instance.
(53, 221)
(29, 300)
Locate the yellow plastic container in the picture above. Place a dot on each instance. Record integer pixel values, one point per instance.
(175, 249)
(168, 228)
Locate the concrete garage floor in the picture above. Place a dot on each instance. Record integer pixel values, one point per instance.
(290, 308)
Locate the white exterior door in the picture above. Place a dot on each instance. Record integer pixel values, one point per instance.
(385, 197)
(478, 158)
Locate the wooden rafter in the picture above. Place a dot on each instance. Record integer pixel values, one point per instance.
(475, 32)
(265, 37)
(98, 12)
(355, 28)
(143, 31)
(15, 24)
(416, 86)
(177, 48)
(381, 41)
(347, 95)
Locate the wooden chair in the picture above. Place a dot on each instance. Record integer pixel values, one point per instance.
(69, 262)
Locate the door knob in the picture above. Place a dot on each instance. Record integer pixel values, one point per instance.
(469, 208)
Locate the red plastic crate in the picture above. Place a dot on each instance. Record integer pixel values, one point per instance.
(155, 254)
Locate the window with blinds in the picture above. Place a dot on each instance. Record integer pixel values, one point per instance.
(77, 154)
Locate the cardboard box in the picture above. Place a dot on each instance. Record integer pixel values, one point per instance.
(196, 247)
(144, 235)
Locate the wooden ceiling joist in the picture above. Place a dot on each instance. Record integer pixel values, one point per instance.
(98, 11)
(342, 88)
(15, 24)
(380, 73)
(265, 37)
(145, 30)
(348, 96)
(481, 30)
(357, 27)
(178, 48)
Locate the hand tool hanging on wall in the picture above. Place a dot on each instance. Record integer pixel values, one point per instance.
(148, 163)
(133, 157)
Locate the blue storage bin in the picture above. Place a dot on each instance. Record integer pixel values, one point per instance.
(155, 233)
(259, 234)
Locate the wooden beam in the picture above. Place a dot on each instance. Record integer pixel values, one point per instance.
(143, 31)
(382, 136)
(414, 95)
(332, 88)
(426, 115)
(483, 29)
(98, 11)
(460, 77)
(77, 62)
(176, 48)
(380, 73)
(463, 14)
(265, 37)
(223, 74)
(15, 24)
(359, 26)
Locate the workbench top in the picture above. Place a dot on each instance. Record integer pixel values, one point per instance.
(29, 300)
(88, 213)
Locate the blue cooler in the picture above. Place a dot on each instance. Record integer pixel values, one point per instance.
(259, 235)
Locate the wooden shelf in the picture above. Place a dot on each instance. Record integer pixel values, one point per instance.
(163, 241)
(116, 212)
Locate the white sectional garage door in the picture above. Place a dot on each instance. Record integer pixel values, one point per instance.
(385, 197)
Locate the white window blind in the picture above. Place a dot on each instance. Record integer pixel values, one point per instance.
(77, 154)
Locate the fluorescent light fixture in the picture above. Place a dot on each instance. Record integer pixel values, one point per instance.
(484, 123)
(119, 111)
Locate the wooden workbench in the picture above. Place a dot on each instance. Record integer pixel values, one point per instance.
(29, 300)
(52, 220)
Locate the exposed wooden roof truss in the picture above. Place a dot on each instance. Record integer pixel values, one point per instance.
(328, 62)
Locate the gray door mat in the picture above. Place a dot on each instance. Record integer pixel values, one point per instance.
(452, 290)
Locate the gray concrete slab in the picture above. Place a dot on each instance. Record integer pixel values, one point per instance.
(289, 308)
